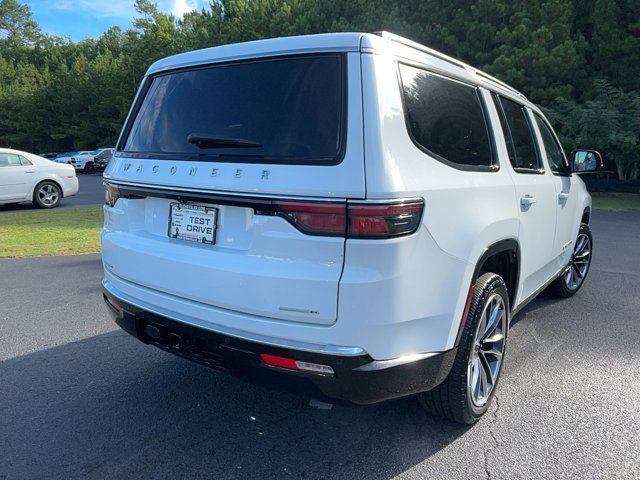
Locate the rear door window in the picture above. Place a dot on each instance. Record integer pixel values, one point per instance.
(518, 135)
(9, 160)
(281, 110)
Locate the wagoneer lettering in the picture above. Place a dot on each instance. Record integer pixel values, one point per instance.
(356, 211)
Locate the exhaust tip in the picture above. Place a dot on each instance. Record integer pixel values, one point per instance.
(152, 331)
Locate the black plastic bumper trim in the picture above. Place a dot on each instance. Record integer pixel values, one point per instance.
(354, 380)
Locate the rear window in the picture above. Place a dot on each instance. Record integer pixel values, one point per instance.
(282, 110)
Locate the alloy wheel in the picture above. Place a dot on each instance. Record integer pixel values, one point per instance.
(48, 195)
(579, 264)
(485, 360)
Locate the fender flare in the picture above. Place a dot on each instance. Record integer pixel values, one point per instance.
(506, 245)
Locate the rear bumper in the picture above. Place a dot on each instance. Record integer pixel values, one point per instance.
(70, 186)
(358, 378)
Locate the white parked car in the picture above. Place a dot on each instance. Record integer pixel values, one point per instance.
(357, 211)
(89, 162)
(25, 177)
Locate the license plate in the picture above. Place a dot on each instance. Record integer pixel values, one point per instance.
(196, 223)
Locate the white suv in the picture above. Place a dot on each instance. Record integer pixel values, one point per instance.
(354, 212)
(94, 161)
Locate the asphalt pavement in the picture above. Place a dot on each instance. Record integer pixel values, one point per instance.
(91, 192)
(81, 399)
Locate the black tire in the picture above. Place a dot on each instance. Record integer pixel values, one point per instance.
(89, 167)
(563, 287)
(452, 399)
(47, 195)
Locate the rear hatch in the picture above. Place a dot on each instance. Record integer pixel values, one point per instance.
(229, 180)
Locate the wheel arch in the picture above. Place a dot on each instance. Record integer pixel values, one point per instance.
(586, 215)
(50, 180)
(501, 258)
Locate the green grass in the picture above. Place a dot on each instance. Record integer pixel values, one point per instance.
(65, 231)
(623, 203)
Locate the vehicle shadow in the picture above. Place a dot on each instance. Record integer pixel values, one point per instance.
(543, 300)
(110, 406)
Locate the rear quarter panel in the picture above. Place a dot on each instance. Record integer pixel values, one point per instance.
(465, 211)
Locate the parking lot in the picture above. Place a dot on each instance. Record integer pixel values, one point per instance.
(81, 399)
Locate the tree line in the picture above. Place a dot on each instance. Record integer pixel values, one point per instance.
(578, 59)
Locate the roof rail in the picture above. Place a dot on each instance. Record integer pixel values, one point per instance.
(410, 43)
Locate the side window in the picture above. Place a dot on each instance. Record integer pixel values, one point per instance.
(9, 160)
(552, 148)
(523, 154)
(24, 162)
(446, 119)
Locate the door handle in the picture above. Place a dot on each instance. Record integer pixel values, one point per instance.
(563, 195)
(527, 200)
(30, 171)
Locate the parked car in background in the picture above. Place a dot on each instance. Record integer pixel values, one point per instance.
(70, 157)
(26, 177)
(355, 210)
(74, 159)
(94, 161)
(65, 157)
(103, 157)
(50, 155)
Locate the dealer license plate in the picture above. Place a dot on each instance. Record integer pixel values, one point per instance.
(196, 223)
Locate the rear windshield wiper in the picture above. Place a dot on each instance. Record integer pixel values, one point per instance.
(202, 140)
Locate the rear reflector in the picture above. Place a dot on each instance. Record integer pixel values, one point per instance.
(292, 364)
(352, 220)
(113, 305)
(467, 307)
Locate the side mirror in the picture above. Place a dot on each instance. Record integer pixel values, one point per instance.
(585, 161)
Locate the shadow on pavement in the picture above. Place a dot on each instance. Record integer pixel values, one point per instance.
(109, 405)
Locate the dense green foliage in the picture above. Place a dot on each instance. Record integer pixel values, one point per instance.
(579, 59)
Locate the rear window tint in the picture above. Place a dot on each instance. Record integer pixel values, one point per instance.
(446, 118)
(292, 110)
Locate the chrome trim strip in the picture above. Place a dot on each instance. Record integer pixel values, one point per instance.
(252, 337)
(225, 193)
(394, 362)
(232, 195)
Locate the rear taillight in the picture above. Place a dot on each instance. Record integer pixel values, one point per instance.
(111, 194)
(353, 220)
(384, 220)
(314, 218)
